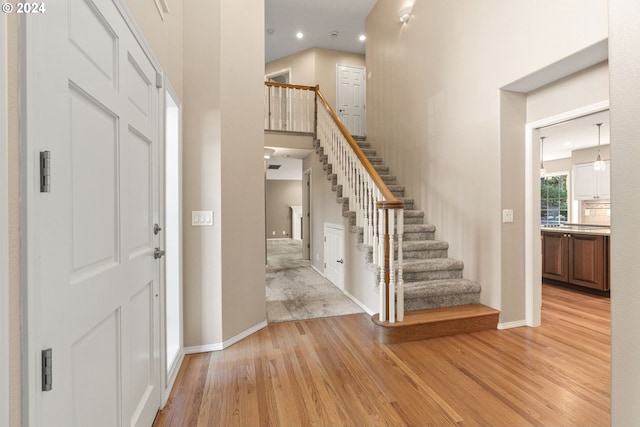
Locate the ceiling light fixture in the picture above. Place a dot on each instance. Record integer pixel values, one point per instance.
(268, 152)
(299, 35)
(599, 165)
(542, 170)
(362, 37)
(405, 13)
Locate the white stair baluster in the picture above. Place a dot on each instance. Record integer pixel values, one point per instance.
(392, 279)
(400, 285)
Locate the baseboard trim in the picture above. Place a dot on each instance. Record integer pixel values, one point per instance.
(221, 346)
(171, 378)
(510, 325)
(359, 303)
(318, 271)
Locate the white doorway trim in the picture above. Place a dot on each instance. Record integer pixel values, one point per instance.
(307, 200)
(4, 232)
(533, 259)
(172, 180)
(283, 72)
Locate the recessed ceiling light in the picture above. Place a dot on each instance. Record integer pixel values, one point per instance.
(362, 37)
(567, 144)
(299, 35)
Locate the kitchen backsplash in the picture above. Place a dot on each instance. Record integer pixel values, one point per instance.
(595, 212)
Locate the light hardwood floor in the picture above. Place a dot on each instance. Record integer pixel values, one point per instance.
(331, 372)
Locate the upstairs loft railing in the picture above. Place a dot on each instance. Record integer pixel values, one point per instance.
(379, 213)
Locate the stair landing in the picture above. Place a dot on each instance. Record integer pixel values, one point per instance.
(436, 322)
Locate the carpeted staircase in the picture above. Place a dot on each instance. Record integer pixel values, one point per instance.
(431, 278)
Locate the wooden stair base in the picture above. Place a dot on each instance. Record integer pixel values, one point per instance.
(436, 322)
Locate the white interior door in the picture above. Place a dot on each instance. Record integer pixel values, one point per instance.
(351, 98)
(334, 254)
(93, 280)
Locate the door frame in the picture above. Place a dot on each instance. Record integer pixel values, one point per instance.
(533, 258)
(4, 231)
(169, 377)
(364, 91)
(307, 200)
(31, 321)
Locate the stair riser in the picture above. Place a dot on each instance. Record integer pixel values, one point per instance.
(414, 237)
(435, 254)
(410, 220)
(412, 304)
(420, 276)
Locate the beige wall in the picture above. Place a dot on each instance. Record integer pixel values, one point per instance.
(433, 112)
(164, 35)
(316, 67)
(586, 87)
(324, 208)
(624, 62)
(281, 195)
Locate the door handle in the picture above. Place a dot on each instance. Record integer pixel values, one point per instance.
(340, 261)
(157, 253)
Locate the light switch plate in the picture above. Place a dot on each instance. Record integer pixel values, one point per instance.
(202, 218)
(507, 215)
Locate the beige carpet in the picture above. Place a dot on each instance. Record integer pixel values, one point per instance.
(295, 291)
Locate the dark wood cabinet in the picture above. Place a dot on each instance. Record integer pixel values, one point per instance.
(555, 256)
(578, 259)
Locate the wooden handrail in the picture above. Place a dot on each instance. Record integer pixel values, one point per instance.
(390, 201)
(286, 85)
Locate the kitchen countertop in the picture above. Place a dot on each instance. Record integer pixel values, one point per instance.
(598, 230)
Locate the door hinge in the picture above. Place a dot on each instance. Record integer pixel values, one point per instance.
(45, 171)
(47, 369)
(325, 238)
(159, 80)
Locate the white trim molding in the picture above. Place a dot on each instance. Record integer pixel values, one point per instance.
(510, 325)
(4, 232)
(533, 260)
(221, 346)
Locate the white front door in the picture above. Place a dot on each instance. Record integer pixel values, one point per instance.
(334, 254)
(93, 285)
(351, 98)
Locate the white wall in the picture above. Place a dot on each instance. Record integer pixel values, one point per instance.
(624, 63)
(434, 109)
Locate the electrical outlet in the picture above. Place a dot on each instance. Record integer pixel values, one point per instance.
(507, 215)
(284, 232)
(273, 232)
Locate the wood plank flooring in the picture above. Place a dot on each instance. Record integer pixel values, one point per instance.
(332, 372)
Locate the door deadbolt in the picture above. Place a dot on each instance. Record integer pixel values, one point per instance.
(156, 229)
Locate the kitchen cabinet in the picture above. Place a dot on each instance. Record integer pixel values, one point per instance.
(591, 184)
(577, 259)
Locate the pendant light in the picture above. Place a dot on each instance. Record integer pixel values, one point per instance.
(542, 170)
(599, 165)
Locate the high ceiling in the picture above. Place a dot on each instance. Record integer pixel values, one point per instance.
(316, 19)
(563, 138)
